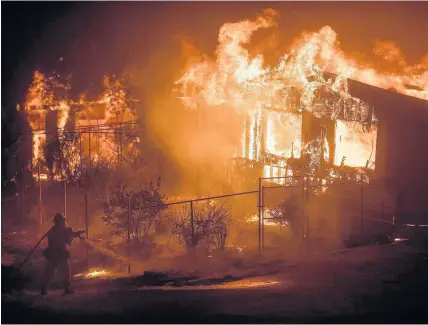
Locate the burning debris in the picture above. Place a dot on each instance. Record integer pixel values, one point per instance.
(96, 273)
(255, 218)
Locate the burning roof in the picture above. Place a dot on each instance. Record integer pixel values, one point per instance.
(311, 78)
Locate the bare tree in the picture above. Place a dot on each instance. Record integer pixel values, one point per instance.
(67, 158)
(119, 100)
(220, 225)
(211, 225)
(146, 205)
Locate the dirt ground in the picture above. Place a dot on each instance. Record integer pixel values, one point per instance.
(376, 284)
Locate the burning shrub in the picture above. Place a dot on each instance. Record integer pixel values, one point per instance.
(135, 210)
(211, 226)
(118, 98)
(288, 213)
(67, 158)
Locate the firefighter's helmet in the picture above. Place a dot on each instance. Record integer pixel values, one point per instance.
(59, 217)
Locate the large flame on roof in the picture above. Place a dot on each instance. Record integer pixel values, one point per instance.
(316, 69)
(235, 79)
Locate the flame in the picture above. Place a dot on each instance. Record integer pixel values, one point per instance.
(283, 134)
(97, 273)
(255, 218)
(356, 147)
(47, 94)
(399, 239)
(236, 247)
(43, 176)
(38, 140)
(246, 283)
(64, 110)
(326, 150)
(324, 188)
(274, 96)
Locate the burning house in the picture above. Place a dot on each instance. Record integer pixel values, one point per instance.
(289, 139)
(316, 113)
(385, 146)
(69, 134)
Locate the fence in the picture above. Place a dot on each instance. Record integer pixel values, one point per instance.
(329, 211)
(274, 224)
(281, 211)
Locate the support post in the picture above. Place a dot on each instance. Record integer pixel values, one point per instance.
(80, 147)
(40, 198)
(90, 158)
(263, 218)
(259, 215)
(22, 193)
(303, 209)
(192, 224)
(65, 198)
(129, 234)
(117, 138)
(362, 210)
(32, 153)
(98, 139)
(292, 151)
(308, 193)
(121, 143)
(86, 229)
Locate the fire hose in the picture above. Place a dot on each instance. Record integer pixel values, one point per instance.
(37, 245)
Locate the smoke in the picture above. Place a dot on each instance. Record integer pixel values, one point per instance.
(389, 51)
(191, 144)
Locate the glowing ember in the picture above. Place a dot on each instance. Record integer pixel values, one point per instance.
(399, 239)
(269, 223)
(250, 283)
(236, 247)
(43, 177)
(94, 274)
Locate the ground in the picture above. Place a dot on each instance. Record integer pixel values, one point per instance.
(375, 284)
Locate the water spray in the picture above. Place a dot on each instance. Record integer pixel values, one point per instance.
(105, 250)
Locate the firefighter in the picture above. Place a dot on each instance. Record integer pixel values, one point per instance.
(57, 254)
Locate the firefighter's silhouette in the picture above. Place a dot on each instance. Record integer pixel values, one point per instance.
(57, 254)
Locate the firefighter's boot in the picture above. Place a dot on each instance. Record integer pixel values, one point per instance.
(68, 291)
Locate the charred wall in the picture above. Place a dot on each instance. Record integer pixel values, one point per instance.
(402, 144)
